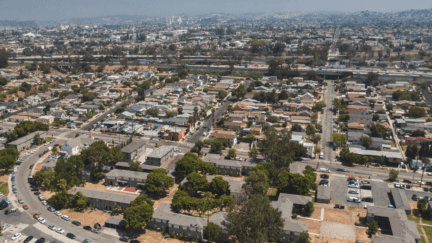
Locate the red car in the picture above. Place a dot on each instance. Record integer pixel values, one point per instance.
(25, 207)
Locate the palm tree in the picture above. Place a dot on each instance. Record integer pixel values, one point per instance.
(426, 162)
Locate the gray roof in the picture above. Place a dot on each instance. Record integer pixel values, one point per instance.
(400, 199)
(386, 154)
(78, 141)
(107, 196)
(133, 146)
(400, 226)
(26, 138)
(160, 152)
(234, 185)
(116, 221)
(323, 192)
(285, 204)
(127, 174)
(218, 160)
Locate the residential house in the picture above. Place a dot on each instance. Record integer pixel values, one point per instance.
(46, 119)
(76, 145)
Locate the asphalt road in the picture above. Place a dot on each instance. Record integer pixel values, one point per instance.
(35, 206)
(209, 122)
(338, 190)
(327, 123)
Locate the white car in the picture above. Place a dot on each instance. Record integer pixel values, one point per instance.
(418, 182)
(51, 227)
(20, 201)
(45, 203)
(1, 194)
(59, 230)
(352, 186)
(58, 213)
(397, 185)
(16, 236)
(429, 174)
(41, 220)
(5, 226)
(324, 170)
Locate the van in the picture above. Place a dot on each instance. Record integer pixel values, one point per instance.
(321, 156)
(65, 217)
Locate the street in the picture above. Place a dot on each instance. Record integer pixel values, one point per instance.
(327, 122)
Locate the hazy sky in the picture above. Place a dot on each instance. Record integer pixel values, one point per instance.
(63, 9)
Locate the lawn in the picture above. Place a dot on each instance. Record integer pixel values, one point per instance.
(413, 218)
(49, 139)
(428, 231)
(422, 239)
(272, 192)
(4, 189)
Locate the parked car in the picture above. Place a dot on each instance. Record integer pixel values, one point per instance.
(87, 228)
(341, 169)
(415, 198)
(426, 189)
(324, 170)
(57, 213)
(5, 226)
(51, 227)
(41, 220)
(407, 181)
(70, 236)
(124, 238)
(20, 201)
(367, 199)
(51, 209)
(16, 236)
(60, 230)
(353, 192)
(391, 206)
(325, 176)
(28, 239)
(76, 223)
(352, 186)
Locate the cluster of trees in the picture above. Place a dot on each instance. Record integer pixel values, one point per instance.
(319, 106)
(65, 175)
(378, 130)
(24, 128)
(350, 158)
(406, 95)
(339, 139)
(416, 112)
(8, 158)
(296, 183)
(158, 182)
(271, 97)
(182, 201)
(413, 151)
(64, 200)
(139, 213)
(192, 163)
(99, 154)
(89, 96)
(217, 145)
(240, 91)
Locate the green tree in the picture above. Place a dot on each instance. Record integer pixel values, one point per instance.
(416, 112)
(422, 205)
(257, 183)
(309, 208)
(218, 186)
(296, 128)
(117, 209)
(152, 112)
(192, 163)
(222, 94)
(54, 149)
(197, 182)
(316, 138)
(158, 182)
(295, 183)
(182, 74)
(411, 151)
(180, 110)
(138, 216)
(366, 140)
(240, 91)
(60, 200)
(8, 158)
(37, 139)
(372, 228)
(135, 166)
(212, 232)
(243, 225)
(303, 238)
(232, 153)
(379, 130)
(337, 104)
(310, 130)
(253, 153)
(339, 139)
(393, 174)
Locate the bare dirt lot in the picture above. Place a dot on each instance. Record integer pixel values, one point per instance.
(338, 216)
(4, 176)
(314, 239)
(314, 226)
(47, 194)
(316, 214)
(361, 235)
(90, 217)
(330, 240)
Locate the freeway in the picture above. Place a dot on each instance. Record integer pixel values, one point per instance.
(35, 206)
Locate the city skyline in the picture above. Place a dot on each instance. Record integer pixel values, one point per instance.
(46, 10)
